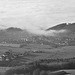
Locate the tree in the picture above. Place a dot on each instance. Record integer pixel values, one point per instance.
(43, 73)
(36, 72)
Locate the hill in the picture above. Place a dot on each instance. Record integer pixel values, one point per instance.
(19, 36)
(57, 27)
(11, 34)
(69, 27)
(12, 29)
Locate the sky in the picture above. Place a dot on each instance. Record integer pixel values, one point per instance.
(36, 15)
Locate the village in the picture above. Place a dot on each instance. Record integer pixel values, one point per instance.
(11, 55)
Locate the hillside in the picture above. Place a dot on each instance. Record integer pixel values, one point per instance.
(23, 37)
(13, 29)
(69, 26)
(13, 34)
(57, 27)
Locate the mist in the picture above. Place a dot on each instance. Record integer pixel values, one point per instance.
(36, 15)
(42, 31)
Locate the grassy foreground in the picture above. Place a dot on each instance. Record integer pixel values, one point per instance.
(43, 67)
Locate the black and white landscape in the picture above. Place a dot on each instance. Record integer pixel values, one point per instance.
(37, 37)
(20, 48)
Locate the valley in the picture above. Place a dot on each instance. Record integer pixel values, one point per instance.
(24, 53)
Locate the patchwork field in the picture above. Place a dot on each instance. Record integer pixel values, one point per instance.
(66, 52)
(61, 52)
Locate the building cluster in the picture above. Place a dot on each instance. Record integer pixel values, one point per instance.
(9, 56)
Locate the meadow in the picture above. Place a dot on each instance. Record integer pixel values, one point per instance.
(57, 58)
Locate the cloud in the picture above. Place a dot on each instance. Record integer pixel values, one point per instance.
(36, 15)
(41, 31)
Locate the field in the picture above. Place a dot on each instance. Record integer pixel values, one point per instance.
(45, 53)
(48, 52)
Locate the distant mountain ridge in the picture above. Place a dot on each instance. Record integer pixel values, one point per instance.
(18, 35)
(69, 26)
(13, 33)
(13, 29)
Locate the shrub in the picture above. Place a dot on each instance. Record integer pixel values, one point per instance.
(36, 72)
(43, 73)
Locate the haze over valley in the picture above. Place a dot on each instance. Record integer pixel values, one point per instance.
(59, 35)
(37, 37)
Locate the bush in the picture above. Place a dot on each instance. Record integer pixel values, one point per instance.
(21, 70)
(43, 73)
(36, 72)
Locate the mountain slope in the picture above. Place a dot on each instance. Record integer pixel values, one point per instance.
(69, 26)
(57, 27)
(13, 34)
(23, 36)
(12, 29)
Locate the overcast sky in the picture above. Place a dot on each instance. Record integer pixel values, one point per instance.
(36, 14)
